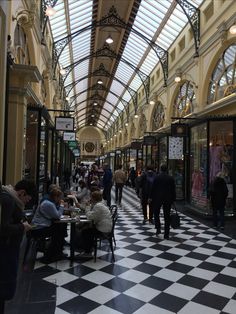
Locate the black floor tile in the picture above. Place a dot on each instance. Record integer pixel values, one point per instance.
(211, 300)
(227, 280)
(79, 305)
(156, 283)
(79, 286)
(169, 302)
(180, 267)
(147, 268)
(118, 284)
(125, 304)
(114, 269)
(211, 266)
(192, 281)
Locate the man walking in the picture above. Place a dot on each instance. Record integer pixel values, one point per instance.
(163, 194)
(107, 184)
(119, 180)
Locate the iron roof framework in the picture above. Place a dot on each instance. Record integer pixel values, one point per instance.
(143, 31)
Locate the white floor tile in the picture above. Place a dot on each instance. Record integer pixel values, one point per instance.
(229, 271)
(98, 277)
(220, 289)
(104, 310)
(64, 295)
(195, 308)
(169, 274)
(128, 262)
(230, 307)
(142, 293)
(177, 251)
(203, 273)
(100, 294)
(61, 278)
(189, 261)
(218, 260)
(160, 262)
(181, 291)
(134, 275)
(152, 309)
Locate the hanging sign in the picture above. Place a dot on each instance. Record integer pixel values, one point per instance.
(64, 124)
(149, 140)
(69, 136)
(136, 145)
(179, 129)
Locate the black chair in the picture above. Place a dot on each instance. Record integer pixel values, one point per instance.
(34, 244)
(108, 236)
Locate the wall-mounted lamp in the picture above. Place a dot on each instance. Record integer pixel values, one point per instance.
(95, 103)
(232, 29)
(136, 116)
(126, 124)
(179, 77)
(62, 71)
(50, 11)
(152, 102)
(99, 81)
(109, 40)
(67, 98)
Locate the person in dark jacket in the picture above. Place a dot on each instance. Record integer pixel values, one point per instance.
(12, 228)
(218, 195)
(107, 184)
(163, 193)
(146, 181)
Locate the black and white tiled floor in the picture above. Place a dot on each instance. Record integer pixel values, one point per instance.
(194, 272)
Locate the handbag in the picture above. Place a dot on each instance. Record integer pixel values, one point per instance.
(174, 218)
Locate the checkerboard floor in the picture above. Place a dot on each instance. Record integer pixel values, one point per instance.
(193, 272)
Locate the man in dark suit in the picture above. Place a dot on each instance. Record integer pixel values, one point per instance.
(163, 194)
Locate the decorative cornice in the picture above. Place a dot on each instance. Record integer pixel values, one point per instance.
(27, 72)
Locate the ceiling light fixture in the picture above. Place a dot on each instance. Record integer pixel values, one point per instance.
(95, 103)
(178, 76)
(99, 81)
(67, 98)
(136, 116)
(50, 11)
(126, 124)
(109, 40)
(232, 29)
(152, 102)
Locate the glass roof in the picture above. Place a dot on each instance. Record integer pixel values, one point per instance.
(158, 20)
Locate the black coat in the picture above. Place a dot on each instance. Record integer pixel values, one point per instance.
(218, 193)
(11, 233)
(163, 189)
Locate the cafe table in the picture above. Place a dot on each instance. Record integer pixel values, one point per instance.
(77, 219)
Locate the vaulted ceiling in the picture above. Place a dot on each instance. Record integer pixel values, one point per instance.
(142, 32)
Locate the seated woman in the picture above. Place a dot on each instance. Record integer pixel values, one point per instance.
(83, 195)
(43, 225)
(100, 215)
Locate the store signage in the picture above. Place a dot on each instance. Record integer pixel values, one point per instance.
(136, 145)
(64, 124)
(176, 147)
(149, 140)
(72, 144)
(179, 129)
(69, 136)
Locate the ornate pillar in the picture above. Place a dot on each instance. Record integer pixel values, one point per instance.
(20, 78)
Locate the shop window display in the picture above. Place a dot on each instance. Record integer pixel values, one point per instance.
(221, 155)
(198, 167)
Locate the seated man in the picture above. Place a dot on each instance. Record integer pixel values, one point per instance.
(44, 225)
(100, 215)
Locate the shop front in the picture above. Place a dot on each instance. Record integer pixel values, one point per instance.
(211, 155)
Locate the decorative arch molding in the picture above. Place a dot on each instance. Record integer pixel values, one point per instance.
(142, 125)
(157, 116)
(212, 64)
(185, 101)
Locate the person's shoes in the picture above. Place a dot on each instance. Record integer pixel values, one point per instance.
(222, 228)
(144, 221)
(166, 236)
(151, 221)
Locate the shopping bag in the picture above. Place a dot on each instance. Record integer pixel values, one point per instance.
(174, 218)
